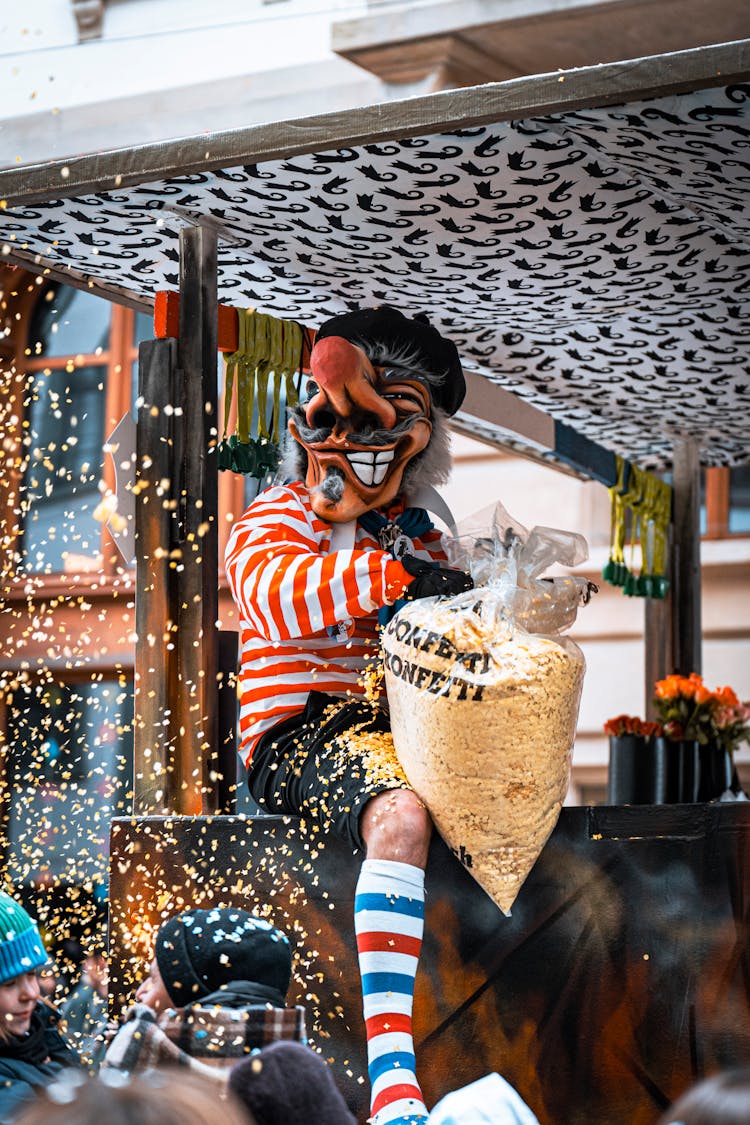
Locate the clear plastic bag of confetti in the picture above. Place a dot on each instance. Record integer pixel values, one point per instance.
(484, 695)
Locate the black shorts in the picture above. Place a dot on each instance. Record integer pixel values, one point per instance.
(325, 763)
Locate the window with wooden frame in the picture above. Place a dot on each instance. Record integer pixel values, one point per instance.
(725, 511)
(71, 373)
(68, 359)
(71, 383)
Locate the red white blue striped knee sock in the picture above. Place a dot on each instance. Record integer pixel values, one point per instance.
(389, 922)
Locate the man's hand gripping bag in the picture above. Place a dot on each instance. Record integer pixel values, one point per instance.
(484, 696)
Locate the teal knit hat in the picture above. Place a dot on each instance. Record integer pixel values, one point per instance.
(21, 947)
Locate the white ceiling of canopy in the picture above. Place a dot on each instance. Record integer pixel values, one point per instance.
(596, 261)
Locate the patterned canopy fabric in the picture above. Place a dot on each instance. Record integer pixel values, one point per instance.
(596, 262)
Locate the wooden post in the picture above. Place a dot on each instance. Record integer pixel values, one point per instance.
(686, 558)
(197, 578)
(226, 785)
(176, 743)
(657, 639)
(154, 735)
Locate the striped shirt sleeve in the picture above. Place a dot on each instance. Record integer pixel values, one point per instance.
(282, 583)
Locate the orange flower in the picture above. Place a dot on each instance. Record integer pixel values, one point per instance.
(726, 697)
(689, 710)
(696, 689)
(631, 724)
(670, 687)
(685, 704)
(617, 726)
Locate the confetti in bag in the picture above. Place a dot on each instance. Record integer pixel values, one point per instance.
(484, 696)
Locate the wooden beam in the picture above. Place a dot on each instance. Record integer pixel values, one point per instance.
(657, 646)
(534, 96)
(515, 37)
(177, 602)
(582, 453)
(167, 321)
(495, 406)
(506, 413)
(228, 704)
(59, 271)
(717, 503)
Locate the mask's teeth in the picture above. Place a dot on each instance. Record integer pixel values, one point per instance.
(363, 464)
(364, 473)
(370, 467)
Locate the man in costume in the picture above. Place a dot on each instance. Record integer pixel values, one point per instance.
(312, 564)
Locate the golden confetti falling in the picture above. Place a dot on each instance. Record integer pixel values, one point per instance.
(67, 731)
(68, 736)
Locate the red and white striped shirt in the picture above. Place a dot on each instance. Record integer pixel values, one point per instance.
(289, 589)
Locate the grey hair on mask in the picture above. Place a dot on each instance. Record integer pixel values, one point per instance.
(405, 357)
(433, 465)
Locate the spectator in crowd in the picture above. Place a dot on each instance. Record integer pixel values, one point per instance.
(216, 989)
(489, 1101)
(49, 981)
(32, 1050)
(289, 1084)
(723, 1099)
(159, 1098)
(84, 1012)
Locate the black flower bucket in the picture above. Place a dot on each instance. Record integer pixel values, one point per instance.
(681, 770)
(716, 772)
(637, 771)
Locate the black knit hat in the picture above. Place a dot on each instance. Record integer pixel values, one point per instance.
(198, 951)
(287, 1083)
(387, 327)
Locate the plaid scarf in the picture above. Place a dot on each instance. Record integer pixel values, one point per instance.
(206, 1040)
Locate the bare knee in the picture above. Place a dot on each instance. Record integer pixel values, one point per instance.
(396, 825)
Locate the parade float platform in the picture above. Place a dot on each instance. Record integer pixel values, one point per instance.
(621, 976)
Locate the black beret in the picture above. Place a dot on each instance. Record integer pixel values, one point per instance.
(386, 326)
(198, 951)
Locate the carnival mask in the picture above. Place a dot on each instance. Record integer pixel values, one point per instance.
(382, 386)
(360, 427)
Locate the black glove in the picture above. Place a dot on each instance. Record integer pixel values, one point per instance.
(433, 581)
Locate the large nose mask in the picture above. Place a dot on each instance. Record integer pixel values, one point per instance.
(345, 397)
